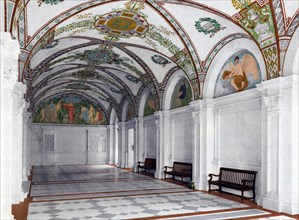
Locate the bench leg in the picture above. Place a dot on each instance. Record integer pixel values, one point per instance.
(242, 195)
(220, 189)
(253, 192)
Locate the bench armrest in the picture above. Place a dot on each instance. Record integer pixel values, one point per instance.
(166, 167)
(139, 163)
(211, 176)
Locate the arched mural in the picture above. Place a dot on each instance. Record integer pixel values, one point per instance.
(181, 95)
(240, 72)
(130, 112)
(149, 107)
(69, 110)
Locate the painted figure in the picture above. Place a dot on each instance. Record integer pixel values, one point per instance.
(98, 119)
(237, 72)
(84, 114)
(43, 115)
(181, 94)
(52, 112)
(71, 112)
(91, 114)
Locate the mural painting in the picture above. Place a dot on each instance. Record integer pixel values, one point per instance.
(69, 110)
(181, 95)
(149, 107)
(240, 72)
(130, 112)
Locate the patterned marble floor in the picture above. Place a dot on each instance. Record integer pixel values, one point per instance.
(105, 192)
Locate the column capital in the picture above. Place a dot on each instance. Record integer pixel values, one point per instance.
(273, 103)
(196, 115)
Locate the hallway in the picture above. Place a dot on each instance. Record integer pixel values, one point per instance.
(106, 192)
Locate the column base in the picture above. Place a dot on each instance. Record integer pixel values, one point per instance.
(159, 174)
(271, 201)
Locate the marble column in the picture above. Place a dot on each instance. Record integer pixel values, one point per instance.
(160, 152)
(136, 143)
(19, 106)
(163, 141)
(111, 144)
(9, 74)
(27, 120)
(121, 144)
(280, 144)
(141, 139)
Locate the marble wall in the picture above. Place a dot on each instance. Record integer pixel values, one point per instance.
(59, 144)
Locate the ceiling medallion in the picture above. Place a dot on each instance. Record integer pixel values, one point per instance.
(208, 26)
(122, 23)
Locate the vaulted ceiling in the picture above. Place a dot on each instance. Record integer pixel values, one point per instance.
(109, 52)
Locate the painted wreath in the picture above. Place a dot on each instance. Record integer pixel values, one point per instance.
(200, 29)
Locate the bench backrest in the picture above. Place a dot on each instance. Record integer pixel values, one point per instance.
(150, 163)
(182, 167)
(237, 175)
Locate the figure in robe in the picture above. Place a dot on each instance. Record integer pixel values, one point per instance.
(237, 72)
(85, 114)
(52, 112)
(98, 119)
(71, 112)
(181, 94)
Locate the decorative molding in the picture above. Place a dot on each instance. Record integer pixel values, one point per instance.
(196, 116)
(273, 103)
(93, 143)
(48, 142)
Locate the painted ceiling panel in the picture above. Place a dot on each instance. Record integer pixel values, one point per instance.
(132, 82)
(204, 28)
(291, 7)
(54, 47)
(53, 70)
(221, 5)
(48, 12)
(159, 64)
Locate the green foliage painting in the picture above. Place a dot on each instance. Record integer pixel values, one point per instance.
(181, 95)
(149, 107)
(69, 110)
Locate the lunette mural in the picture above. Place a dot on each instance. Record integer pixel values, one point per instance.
(149, 107)
(240, 72)
(69, 110)
(181, 95)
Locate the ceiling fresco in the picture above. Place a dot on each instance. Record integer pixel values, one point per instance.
(107, 52)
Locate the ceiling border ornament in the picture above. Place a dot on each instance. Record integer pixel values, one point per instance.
(257, 20)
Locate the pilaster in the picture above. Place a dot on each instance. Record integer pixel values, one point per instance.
(121, 144)
(279, 154)
(19, 106)
(111, 143)
(9, 75)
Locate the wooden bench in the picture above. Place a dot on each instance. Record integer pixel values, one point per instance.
(243, 180)
(148, 166)
(179, 169)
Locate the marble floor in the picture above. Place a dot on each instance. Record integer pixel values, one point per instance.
(106, 192)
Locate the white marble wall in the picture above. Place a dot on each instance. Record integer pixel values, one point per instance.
(150, 137)
(181, 135)
(61, 144)
(239, 130)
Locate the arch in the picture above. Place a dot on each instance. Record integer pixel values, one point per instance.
(113, 117)
(124, 111)
(226, 52)
(290, 65)
(143, 99)
(172, 82)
